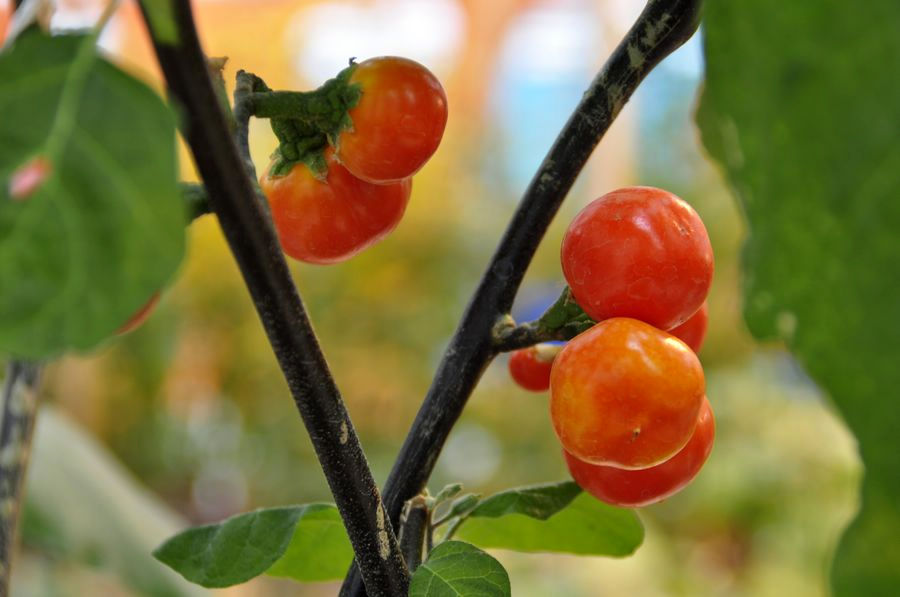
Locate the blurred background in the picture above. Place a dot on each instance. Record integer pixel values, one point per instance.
(188, 419)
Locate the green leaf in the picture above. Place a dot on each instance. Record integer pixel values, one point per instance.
(536, 501)
(306, 543)
(457, 569)
(162, 19)
(586, 527)
(233, 551)
(320, 549)
(105, 229)
(801, 108)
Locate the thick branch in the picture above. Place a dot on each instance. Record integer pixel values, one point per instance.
(256, 249)
(18, 408)
(661, 28)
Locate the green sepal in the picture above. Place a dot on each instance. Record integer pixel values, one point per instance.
(322, 116)
(565, 317)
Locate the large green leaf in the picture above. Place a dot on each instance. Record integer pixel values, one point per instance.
(105, 230)
(801, 107)
(586, 526)
(305, 543)
(457, 569)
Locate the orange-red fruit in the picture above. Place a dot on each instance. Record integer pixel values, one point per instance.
(638, 252)
(331, 220)
(530, 367)
(398, 122)
(634, 489)
(625, 394)
(140, 316)
(693, 331)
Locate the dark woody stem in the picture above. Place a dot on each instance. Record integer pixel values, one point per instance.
(244, 222)
(663, 26)
(18, 409)
(413, 526)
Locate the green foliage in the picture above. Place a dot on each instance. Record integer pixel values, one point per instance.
(233, 551)
(586, 526)
(319, 550)
(162, 19)
(801, 107)
(537, 501)
(105, 230)
(455, 568)
(306, 543)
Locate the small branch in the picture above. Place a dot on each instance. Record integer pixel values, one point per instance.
(196, 200)
(413, 525)
(258, 253)
(563, 320)
(18, 409)
(663, 26)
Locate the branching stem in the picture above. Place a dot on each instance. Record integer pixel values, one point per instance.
(248, 230)
(663, 26)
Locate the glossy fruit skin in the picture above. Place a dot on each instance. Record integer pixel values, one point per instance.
(329, 221)
(140, 316)
(635, 489)
(638, 252)
(693, 331)
(530, 367)
(625, 394)
(398, 122)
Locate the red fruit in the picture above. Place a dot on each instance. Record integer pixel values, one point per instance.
(638, 252)
(331, 220)
(625, 394)
(693, 331)
(637, 488)
(140, 316)
(530, 367)
(398, 122)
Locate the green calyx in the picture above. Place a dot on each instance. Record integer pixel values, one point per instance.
(565, 318)
(306, 123)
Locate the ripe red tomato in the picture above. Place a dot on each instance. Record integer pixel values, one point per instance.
(331, 220)
(634, 489)
(638, 252)
(693, 331)
(140, 316)
(625, 394)
(530, 367)
(398, 122)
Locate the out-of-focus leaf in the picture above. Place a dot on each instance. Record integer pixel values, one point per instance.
(457, 569)
(801, 107)
(99, 228)
(586, 526)
(162, 19)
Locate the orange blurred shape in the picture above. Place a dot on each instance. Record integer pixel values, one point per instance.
(232, 28)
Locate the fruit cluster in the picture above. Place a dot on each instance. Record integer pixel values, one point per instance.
(627, 396)
(390, 129)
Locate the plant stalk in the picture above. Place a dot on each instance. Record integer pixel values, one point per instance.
(662, 27)
(256, 249)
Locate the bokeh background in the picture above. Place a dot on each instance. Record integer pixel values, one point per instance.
(188, 420)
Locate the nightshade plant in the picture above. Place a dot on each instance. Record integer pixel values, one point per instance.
(73, 117)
